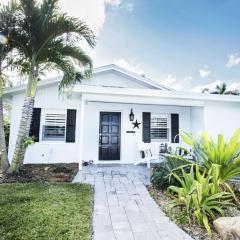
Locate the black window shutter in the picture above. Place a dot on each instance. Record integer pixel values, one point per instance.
(146, 135)
(71, 125)
(35, 124)
(175, 128)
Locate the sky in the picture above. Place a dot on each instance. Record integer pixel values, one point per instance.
(185, 44)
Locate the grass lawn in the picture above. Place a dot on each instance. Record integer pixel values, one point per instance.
(45, 211)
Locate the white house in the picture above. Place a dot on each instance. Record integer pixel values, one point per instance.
(93, 122)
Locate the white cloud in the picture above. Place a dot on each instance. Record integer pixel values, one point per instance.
(183, 84)
(169, 80)
(233, 60)
(234, 85)
(204, 72)
(129, 66)
(210, 86)
(93, 12)
(172, 81)
(113, 2)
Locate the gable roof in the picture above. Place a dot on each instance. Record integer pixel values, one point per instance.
(159, 89)
(99, 70)
(136, 77)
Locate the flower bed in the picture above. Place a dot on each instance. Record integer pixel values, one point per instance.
(196, 193)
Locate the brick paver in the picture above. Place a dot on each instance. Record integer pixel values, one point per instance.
(123, 208)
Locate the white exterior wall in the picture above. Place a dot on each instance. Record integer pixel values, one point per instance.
(46, 152)
(221, 117)
(56, 152)
(197, 120)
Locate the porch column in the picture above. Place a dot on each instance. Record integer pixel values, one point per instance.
(82, 112)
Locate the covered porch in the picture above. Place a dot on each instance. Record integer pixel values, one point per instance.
(129, 134)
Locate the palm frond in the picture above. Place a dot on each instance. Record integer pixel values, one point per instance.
(205, 90)
(222, 89)
(76, 54)
(64, 24)
(70, 74)
(59, 56)
(48, 9)
(233, 92)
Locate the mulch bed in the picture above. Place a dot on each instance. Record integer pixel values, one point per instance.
(192, 228)
(43, 173)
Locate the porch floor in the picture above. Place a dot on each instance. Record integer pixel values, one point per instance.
(123, 208)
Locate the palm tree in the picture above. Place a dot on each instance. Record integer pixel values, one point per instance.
(49, 41)
(221, 89)
(8, 21)
(4, 164)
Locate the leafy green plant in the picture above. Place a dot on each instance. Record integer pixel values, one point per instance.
(200, 195)
(182, 218)
(226, 154)
(29, 141)
(161, 177)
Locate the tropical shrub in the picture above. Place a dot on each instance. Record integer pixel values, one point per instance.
(226, 154)
(199, 194)
(161, 177)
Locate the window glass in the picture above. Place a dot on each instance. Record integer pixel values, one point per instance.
(160, 127)
(54, 127)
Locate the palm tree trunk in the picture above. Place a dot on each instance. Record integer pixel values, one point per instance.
(28, 125)
(25, 123)
(4, 164)
(23, 133)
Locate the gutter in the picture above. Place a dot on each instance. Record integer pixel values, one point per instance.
(155, 93)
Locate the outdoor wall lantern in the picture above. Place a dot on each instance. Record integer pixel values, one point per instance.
(131, 115)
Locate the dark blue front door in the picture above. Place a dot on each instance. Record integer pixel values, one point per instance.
(109, 136)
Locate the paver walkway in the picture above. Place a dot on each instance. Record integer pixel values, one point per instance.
(123, 208)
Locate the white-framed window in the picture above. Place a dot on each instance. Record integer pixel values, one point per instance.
(160, 127)
(54, 125)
